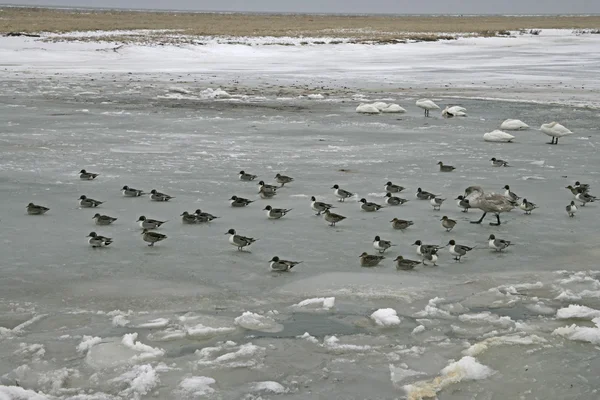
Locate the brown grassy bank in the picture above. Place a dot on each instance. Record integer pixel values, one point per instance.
(375, 28)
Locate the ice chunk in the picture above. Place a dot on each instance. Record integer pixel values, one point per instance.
(577, 311)
(316, 96)
(145, 351)
(487, 317)
(484, 345)
(196, 386)
(218, 93)
(141, 379)
(324, 303)
(467, 368)
(386, 317)
(257, 322)
(268, 386)
(201, 331)
(18, 393)
(581, 334)
(87, 343)
(155, 323)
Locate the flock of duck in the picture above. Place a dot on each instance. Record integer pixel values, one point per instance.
(473, 197)
(552, 129)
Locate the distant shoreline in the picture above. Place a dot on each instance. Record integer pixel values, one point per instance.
(381, 29)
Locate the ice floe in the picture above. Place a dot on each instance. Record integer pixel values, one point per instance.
(316, 303)
(386, 317)
(252, 321)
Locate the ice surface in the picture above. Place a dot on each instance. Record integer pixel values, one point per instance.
(80, 324)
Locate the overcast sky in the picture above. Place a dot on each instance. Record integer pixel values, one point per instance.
(345, 6)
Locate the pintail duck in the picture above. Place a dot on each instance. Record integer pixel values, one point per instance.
(393, 200)
(88, 203)
(496, 162)
(341, 194)
(510, 195)
(203, 216)
(436, 202)
(582, 186)
(445, 168)
(405, 264)
(448, 223)
(103, 219)
(158, 196)
(131, 192)
(188, 218)
(266, 193)
(577, 189)
(458, 250)
(527, 206)
(319, 206)
(239, 241)
(147, 223)
(391, 188)
(239, 201)
(426, 248)
(463, 203)
(584, 198)
(401, 224)
(283, 179)
(96, 240)
(266, 187)
(423, 195)
(87, 176)
(497, 244)
(246, 177)
(152, 237)
(33, 209)
(571, 209)
(368, 260)
(279, 265)
(431, 257)
(276, 213)
(368, 206)
(381, 245)
(488, 202)
(332, 218)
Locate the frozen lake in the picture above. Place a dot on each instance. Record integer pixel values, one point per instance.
(130, 321)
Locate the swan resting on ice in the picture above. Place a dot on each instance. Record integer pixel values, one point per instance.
(488, 202)
(454, 111)
(498, 136)
(427, 105)
(514, 125)
(555, 130)
(379, 107)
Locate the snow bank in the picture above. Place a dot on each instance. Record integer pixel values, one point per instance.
(465, 369)
(576, 311)
(324, 303)
(256, 322)
(386, 317)
(196, 386)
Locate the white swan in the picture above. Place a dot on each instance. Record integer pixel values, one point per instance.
(454, 111)
(366, 108)
(514, 125)
(488, 202)
(427, 105)
(393, 108)
(498, 136)
(555, 130)
(380, 105)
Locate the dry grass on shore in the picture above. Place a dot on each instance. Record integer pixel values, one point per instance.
(380, 29)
